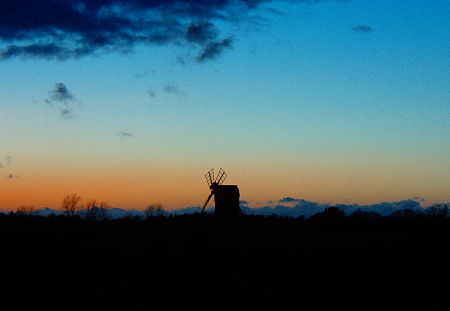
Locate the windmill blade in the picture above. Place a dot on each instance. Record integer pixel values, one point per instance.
(207, 201)
(221, 176)
(210, 177)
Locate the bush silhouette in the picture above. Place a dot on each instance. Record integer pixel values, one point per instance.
(330, 213)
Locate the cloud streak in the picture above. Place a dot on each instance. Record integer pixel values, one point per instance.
(65, 29)
(123, 134)
(172, 89)
(362, 29)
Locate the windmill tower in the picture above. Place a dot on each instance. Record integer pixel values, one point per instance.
(226, 197)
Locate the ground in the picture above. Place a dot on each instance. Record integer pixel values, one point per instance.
(250, 264)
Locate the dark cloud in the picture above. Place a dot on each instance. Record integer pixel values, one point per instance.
(12, 176)
(60, 93)
(214, 49)
(36, 50)
(63, 99)
(64, 29)
(362, 28)
(172, 89)
(201, 32)
(125, 134)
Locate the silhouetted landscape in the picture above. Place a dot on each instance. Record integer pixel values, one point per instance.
(328, 261)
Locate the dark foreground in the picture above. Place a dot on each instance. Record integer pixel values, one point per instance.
(197, 262)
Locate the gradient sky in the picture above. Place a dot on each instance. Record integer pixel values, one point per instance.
(335, 102)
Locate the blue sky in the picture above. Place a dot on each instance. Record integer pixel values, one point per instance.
(303, 101)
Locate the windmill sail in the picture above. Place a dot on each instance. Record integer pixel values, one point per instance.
(210, 177)
(221, 176)
(207, 201)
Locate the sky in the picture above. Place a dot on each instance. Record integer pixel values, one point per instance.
(132, 102)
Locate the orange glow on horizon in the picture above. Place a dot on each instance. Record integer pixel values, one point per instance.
(137, 187)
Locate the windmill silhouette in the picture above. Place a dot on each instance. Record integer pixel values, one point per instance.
(226, 197)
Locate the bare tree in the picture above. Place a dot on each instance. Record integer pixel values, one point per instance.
(70, 204)
(154, 210)
(25, 210)
(95, 210)
(90, 209)
(438, 210)
(103, 211)
(149, 211)
(159, 210)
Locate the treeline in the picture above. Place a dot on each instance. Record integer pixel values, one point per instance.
(332, 218)
(74, 209)
(73, 206)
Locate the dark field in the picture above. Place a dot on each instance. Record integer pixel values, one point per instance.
(199, 262)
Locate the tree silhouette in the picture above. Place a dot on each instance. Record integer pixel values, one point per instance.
(70, 204)
(94, 210)
(331, 213)
(406, 213)
(360, 214)
(90, 210)
(149, 211)
(154, 210)
(437, 210)
(103, 211)
(159, 210)
(25, 210)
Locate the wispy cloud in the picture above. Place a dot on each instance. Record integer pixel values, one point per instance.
(214, 49)
(61, 97)
(151, 93)
(60, 93)
(172, 89)
(124, 134)
(141, 74)
(418, 199)
(61, 30)
(181, 60)
(7, 161)
(362, 29)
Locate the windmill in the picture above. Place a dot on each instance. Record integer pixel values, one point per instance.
(226, 197)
